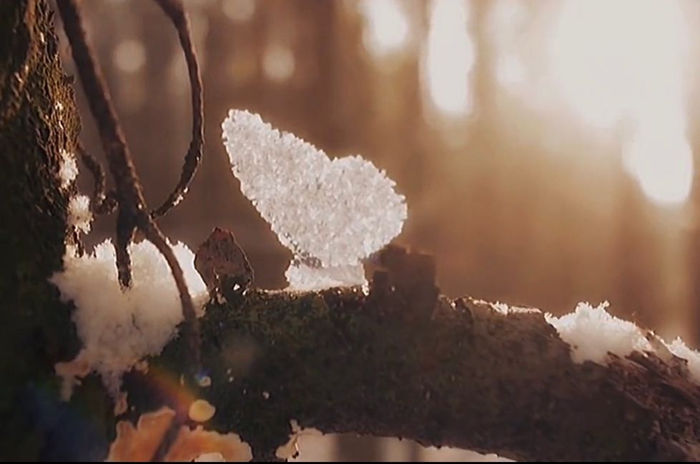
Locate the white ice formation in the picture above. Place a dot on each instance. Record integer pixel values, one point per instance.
(330, 213)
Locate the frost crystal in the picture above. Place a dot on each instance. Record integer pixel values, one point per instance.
(119, 328)
(79, 215)
(68, 169)
(304, 277)
(330, 213)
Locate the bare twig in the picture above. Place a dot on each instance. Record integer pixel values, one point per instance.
(176, 13)
(132, 209)
(103, 202)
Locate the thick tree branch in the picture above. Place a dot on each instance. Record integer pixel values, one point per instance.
(465, 375)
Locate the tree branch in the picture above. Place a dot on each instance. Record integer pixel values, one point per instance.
(132, 209)
(103, 202)
(176, 13)
(464, 375)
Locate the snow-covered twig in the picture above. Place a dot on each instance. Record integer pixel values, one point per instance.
(133, 212)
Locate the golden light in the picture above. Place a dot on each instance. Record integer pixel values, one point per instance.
(238, 10)
(662, 164)
(386, 28)
(505, 25)
(278, 62)
(449, 57)
(623, 60)
(510, 71)
(129, 56)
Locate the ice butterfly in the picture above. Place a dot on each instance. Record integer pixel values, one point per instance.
(330, 213)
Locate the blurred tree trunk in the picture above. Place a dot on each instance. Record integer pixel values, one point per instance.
(38, 120)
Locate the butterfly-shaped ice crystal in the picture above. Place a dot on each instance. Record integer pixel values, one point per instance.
(330, 213)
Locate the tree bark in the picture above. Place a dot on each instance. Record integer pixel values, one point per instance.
(464, 375)
(392, 362)
(38, 119)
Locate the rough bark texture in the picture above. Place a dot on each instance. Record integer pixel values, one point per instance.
(466, 376)
(386, 363)
(38, 119)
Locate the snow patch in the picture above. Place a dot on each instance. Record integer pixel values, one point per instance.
(68, 169)
(330, 213)
(680, 349)
(592, 332)
(119, 328)
(79, 214)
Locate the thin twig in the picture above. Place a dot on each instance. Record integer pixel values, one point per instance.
(103, 202)
(132, 209)
(175, 11)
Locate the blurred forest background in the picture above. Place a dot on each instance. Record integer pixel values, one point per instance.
(546, 149)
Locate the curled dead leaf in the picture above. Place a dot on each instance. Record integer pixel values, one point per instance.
(140, 443)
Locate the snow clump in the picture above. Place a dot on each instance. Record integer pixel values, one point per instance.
(120, 327)
(592, 332)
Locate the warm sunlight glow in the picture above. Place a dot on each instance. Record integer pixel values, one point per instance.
(505, 27)
(510, 71)
(623, 61)
(449, 57)
(278, 62)
(662, 164)
(239, 10)
(387, 27)
(129, 56)
(608, 56)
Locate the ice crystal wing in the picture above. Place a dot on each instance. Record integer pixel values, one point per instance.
(333, 211)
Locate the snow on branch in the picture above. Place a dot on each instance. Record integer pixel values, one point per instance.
(594, 334)
(464, 373)
(118, 328)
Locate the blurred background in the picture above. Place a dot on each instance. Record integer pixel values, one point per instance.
(547, 150)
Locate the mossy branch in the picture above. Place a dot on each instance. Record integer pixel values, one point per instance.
(464, 375)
